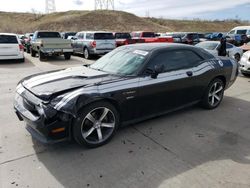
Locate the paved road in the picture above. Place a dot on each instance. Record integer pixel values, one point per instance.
(189, 148)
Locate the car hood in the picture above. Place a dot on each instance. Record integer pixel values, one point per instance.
(53, 83)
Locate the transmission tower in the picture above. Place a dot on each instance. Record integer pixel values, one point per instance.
(104, 4)
(50, 6)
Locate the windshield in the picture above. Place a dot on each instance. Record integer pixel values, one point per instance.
(148, 34)
(122, 61)
(8, 39)
(122, 36)
(48, 35)
(103, 36)
(207, 45)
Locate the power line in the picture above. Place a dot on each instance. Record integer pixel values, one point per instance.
(50, 6)
(104, 4)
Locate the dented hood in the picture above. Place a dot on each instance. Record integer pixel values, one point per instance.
(52, 83)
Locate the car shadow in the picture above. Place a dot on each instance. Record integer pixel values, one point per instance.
(16, 64)
(154, 152)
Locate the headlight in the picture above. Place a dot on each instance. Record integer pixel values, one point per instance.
(46, 111)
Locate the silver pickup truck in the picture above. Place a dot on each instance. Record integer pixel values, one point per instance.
(50, 43)
(91, 43)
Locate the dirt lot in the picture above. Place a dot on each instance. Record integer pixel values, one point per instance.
(188, 148)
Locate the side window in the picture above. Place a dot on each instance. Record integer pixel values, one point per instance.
(175, 60)
(232, 32)
(137, 34)
(89, 36)
(229, 46)
(80, 36)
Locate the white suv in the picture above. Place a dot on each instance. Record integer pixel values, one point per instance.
(11, 47)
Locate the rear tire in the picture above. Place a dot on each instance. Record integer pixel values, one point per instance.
(67, 56)
(96, 124)
(22, 60)
(214, 94)
(42, 57)
(86, 53)
(28, 50)
(32, 52)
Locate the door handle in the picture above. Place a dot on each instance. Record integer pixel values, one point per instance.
(189, 73)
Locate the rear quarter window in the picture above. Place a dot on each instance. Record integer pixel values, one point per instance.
(8, 39)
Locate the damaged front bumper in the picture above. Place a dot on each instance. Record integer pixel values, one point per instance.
(44, 123)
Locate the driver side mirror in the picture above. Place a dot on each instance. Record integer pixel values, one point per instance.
(157, 70)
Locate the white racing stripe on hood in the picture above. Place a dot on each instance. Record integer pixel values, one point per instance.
(76, 71)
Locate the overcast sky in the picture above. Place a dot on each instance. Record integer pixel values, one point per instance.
(187, 9)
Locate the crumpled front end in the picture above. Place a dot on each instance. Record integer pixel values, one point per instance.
(43, 121)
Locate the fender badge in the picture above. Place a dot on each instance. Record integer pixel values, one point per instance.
(220, 63)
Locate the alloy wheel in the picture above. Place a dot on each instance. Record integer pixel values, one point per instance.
(215, 94)
(98, 125)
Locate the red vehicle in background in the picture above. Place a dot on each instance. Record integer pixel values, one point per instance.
(150, 37)
(125, 39)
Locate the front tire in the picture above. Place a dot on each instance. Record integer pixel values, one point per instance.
(214, 94)
(96, 124)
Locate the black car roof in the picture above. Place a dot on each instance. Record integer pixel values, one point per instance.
(157, 46)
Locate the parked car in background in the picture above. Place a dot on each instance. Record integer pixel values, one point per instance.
(245, 64)
(216, 36)
(50, 43)
(11, 47)
(213, 46)
(28, 37)
(150, 37)
(68, 35)
(176, 37)
(22, 39)
(240, 30)
(123, 39)
(245, 47)
(190, 38)
(130, 84)
(202, 37)
(90, 43)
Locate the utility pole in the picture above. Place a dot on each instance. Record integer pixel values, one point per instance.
(104, 4)
(50, 6)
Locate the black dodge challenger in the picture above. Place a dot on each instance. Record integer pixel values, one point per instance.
(130, 84)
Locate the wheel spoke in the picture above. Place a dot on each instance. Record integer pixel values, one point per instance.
(99, 133)
(91, 118)
(108, 125)
(104, 114)
(218, 90)
(217, 97)
(215, 86)
(213, 100)
(85, 135)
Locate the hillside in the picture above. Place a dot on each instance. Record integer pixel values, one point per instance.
(102, 20)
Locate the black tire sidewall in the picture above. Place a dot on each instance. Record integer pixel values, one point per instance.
(76, 129)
